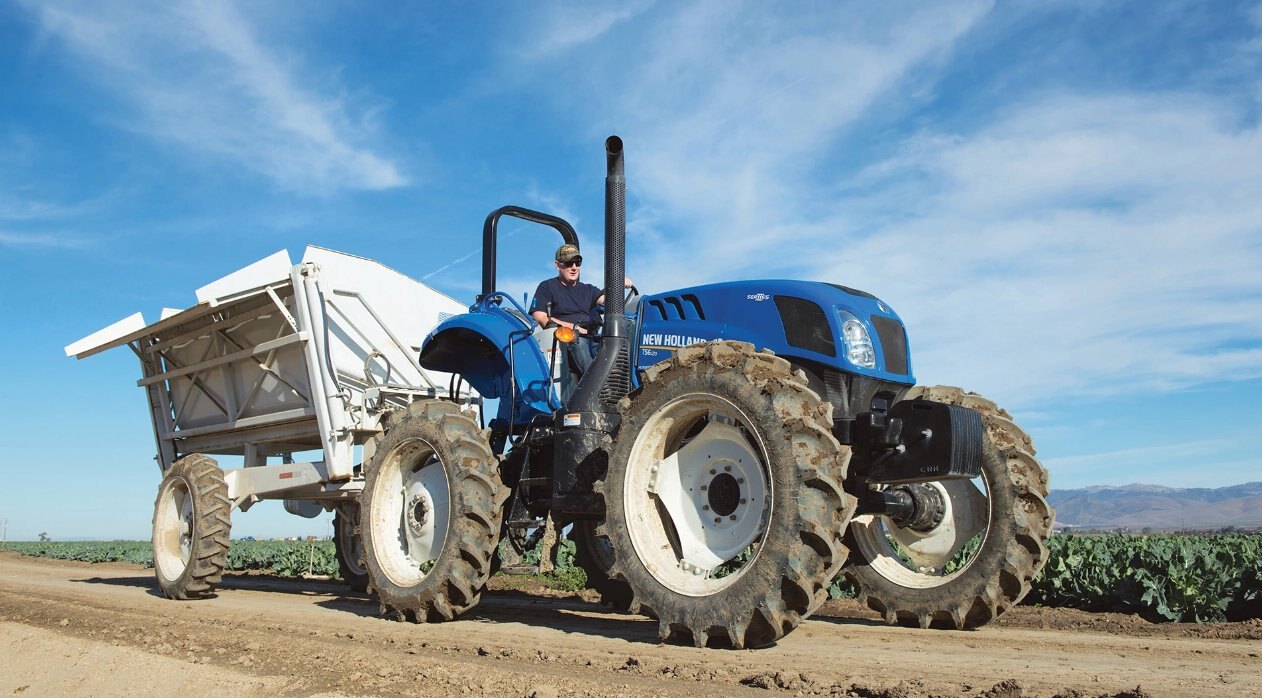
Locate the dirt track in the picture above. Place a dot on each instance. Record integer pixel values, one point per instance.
(102, 629)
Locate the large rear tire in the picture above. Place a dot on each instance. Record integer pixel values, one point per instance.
(191, 528)
(430, 513)
(980, 560)
(349, 546)
(724, 505)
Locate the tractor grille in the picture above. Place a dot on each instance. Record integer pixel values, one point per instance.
(893, 343)
(805, 325)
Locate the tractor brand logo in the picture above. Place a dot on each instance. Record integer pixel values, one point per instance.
(760, 297)
(668, 341)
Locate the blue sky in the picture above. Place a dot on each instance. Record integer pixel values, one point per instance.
(1063, 200)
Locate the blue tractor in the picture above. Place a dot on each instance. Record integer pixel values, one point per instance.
(733, 449)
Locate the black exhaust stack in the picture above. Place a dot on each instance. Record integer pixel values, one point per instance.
(592, 412)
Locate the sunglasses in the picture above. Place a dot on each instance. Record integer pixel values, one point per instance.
(576, 262)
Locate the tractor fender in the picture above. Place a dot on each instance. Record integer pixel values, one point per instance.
(476, 346)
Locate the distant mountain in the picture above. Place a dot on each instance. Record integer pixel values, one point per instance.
(1152, 506)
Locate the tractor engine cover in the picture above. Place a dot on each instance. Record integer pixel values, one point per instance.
(919, 441)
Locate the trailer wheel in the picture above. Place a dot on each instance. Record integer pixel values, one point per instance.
(724, 505)
(430, 513)
(980, 560)
(191, 528)
(349, 547)
(595, 556)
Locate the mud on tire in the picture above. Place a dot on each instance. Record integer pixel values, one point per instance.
(191, 528)
(997, 564)
(430, 513)
(723, 432)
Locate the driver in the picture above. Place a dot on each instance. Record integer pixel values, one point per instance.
(571, 302)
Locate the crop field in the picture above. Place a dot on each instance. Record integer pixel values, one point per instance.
(1187, 578)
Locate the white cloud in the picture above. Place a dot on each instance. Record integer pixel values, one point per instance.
(1078, 246)
(1051, 245)
(197, 75)
(572, 25)
(49, 241)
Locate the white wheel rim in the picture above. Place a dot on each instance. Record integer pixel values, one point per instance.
(695, 503)
(410, 512)
(920, 559)
(173, 530)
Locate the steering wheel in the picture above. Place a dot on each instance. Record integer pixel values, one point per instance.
(631, 293)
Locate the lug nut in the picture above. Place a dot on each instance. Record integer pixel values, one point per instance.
(740, 480)
(732, 517)
(742, 500)
(703, 488)
(717, 519)
(727, 468)
(713, 471)
(705, 507)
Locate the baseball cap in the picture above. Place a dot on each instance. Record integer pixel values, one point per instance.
(567, 252)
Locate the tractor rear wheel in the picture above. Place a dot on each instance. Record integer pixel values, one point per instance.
(724, 506)
(191, 528)
(349, 547)
(430, 513)
(980, 559)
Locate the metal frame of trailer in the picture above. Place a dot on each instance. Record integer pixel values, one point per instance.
(280, 358)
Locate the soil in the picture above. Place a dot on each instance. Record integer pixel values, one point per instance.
(76, 628)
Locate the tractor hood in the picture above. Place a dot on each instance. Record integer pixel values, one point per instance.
(803, 319)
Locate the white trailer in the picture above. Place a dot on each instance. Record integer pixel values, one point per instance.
(277, 359)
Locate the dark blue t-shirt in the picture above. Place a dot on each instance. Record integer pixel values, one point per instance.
(569, 303)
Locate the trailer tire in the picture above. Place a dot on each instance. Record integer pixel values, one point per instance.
(430, 513)
(593, 554)
(1000, 560)
(192, 526)
(744, 425)
(349, 546)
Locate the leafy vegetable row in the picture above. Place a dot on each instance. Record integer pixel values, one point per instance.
(1163, 577)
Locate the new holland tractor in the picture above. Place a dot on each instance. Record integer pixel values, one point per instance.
(731, 450)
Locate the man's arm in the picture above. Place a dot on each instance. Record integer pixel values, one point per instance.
(626, 283)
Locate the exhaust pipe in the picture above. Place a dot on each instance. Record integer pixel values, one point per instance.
(615, 232)
(592, 411)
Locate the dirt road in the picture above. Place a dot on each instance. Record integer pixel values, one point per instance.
(101, 629)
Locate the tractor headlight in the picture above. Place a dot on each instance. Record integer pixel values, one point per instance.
(858, 342)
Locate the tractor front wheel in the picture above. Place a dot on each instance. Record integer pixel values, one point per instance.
(595, 556)
(724, 505)
(430, 513)
(979, 560)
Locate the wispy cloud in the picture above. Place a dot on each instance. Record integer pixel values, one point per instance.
(47, 241)
(1092, 245)
(1056, 242)
(197, 75)
(573, 24)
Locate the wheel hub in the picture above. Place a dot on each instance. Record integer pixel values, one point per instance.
(418, 514)
(723, 493)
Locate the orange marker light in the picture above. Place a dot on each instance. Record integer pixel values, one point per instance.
(565, 334)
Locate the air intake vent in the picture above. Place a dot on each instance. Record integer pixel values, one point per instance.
(893, 343)
(805, 325)
(854, 291)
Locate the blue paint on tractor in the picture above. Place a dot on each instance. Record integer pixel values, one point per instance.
(475, 345)
(748, 311)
